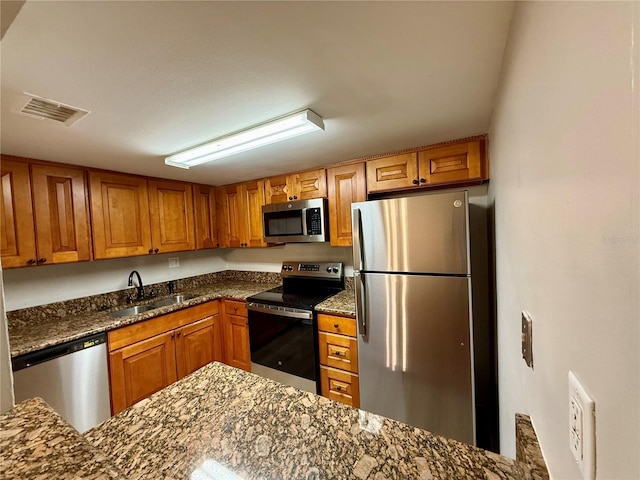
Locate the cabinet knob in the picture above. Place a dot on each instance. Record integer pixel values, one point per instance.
(337, 354)
(173, 335)
(339, 388)
(42, 260)
(295, 197)
(31, 261)
(151, 250)
(335, 325)
(156, 251)
(290, 198)
(414, 181)
(179, 333)
(422, 180)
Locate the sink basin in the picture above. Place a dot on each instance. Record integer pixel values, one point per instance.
(179, 298)
(132, 310)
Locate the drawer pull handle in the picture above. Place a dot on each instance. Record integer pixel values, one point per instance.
(339, 388)
(335, 325)
(337, 354)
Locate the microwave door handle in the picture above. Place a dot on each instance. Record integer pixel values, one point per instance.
(303, 213)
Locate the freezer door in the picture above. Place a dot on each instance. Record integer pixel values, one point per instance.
(421, 234)
(415, 358)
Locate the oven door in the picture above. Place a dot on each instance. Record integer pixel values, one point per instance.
(283, 339)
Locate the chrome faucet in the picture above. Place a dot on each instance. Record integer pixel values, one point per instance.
(140, 287)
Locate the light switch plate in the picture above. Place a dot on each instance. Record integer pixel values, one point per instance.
(582, 428)
(527, 339)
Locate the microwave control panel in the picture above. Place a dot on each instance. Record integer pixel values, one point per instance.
(314, 221)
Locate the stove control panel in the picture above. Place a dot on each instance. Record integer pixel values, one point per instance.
(317, 270)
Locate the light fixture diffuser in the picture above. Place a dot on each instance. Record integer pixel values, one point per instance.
(269, 132)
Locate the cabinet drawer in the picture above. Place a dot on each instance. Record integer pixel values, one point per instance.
(340, 386)
(232, 307)
(133, 333)
(339, 351)
(333, 324)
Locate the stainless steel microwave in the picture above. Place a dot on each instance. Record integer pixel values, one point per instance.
(296, 222)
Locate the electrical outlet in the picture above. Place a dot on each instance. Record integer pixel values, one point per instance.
(174, 262)
(582, 431)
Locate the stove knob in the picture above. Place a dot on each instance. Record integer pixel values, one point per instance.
(328, 269)
(335, 270)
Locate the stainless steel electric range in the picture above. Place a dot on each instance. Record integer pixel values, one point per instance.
(283, 330)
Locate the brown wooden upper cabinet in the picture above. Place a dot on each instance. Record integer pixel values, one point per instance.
(445, 164)
(18, 243)
(172, 223)
(296, 186)
(135, 216)
(54, 228)
(204, 201)
(120, 215)
(346, 185)
(240, 219)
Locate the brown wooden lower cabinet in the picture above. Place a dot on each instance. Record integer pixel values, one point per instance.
(340, 386)
(236, 335)
(338, 349)
(147, 356)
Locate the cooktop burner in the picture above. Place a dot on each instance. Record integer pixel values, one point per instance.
(305, 285)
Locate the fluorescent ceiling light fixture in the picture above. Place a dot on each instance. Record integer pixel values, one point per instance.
(269, 132)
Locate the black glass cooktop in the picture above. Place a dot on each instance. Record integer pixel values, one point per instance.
(303, 298)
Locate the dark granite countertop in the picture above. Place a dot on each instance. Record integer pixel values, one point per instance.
(220, 417)
(344, 303)
(36, 328)
(36, 443)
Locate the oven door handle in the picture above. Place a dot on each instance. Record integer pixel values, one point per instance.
(280, 311)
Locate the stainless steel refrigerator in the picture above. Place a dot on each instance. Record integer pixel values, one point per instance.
(412, 275)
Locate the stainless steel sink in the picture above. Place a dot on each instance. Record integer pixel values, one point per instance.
(132, 310)
(179, 298)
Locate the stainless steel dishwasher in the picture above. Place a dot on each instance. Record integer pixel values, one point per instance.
(72, 377)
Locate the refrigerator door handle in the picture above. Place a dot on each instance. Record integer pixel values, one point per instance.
(356, 229)
(361, 313)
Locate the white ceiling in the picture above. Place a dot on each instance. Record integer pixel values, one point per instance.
(159, 77)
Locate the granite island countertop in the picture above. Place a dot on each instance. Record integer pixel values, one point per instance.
(36, 328)
(222, 417)
(36, 443)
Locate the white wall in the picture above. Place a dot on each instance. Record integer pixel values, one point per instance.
(27, 287)
(6, 378)
(565, 170)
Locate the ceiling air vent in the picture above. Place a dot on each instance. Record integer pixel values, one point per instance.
(51, 110)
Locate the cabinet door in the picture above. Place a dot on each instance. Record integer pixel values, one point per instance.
(340, 386)
(389, 173)
(222, 217)
(61, 214)
(237, 352)
(234, 203)
(198, 344)
(451, 163)
(278, 189)
(346, 186)
(312, 184)
(172, 225)
(120, 215)
(254, 200)
(18, 243)
(205, 217)
(141, 369)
